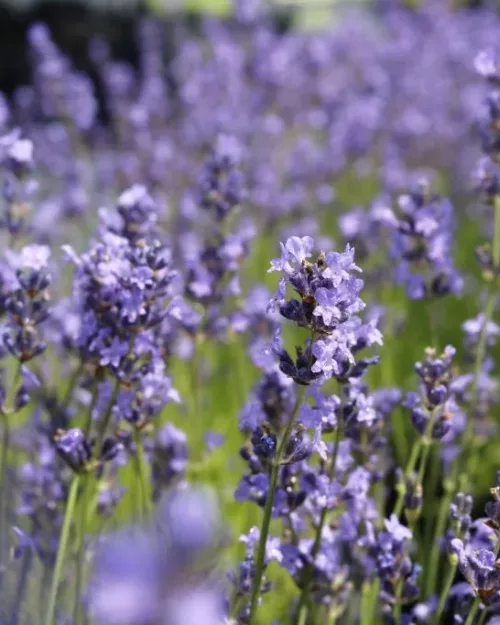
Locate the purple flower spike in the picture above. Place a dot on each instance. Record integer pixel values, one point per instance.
(486, 64)
(74, 448)
(294, 251)
(436, 401)
(423, 233)
(329, 301)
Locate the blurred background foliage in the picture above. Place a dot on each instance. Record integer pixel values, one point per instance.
(74, 22)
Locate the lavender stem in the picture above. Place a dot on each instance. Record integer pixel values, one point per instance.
(144, 501)
(469, 431)
(449, 488)
(445, 591)
(488, 315)
(71, 386)
(5, 412)
(61, 552)
(80, 558)
(302, 607)
(415, 452)
(21, 587)
(424, 442)
(266, 521)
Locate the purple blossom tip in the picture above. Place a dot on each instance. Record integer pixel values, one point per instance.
(486, 64)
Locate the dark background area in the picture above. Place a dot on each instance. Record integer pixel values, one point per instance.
(73, 23)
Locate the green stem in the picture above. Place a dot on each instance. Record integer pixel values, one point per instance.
(496, 235)
(266, 522)
(103, 426)
(445, 591)
(309, 570)
(478, 362)
(61, 552)
(473, 611)
(424, 441)
(332, 614)
(433, 566)
(144, 499)
(373, 613)
(89, 481)
(433, 311)
(88, 419)
(482, 618)
(483, 336)
(195, 378)
(101, 433)
(468, 436)
(107, 416)
(3, 471)
(6, 410)
(71, 386)
(15, 611)
(398, 433)
(432, 500)
(268, 509)
(415, 452)
(80, 558)
(365, 609)
(90, 497)
(424, 461)
(397, 608)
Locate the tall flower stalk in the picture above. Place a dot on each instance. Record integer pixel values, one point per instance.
(302, 609)
(50, 615)
(328, 300)
(486, 319)
(266, 520)
(488, 189)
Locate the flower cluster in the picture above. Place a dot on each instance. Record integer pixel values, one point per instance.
(423, 236)
(18, 189)
(216, 244)
(328, 304)
(434, 411)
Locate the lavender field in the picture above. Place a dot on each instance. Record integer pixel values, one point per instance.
(248, 324)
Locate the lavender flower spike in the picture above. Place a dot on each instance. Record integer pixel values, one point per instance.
(328, 303)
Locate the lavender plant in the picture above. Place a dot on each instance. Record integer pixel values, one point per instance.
(189, 438)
